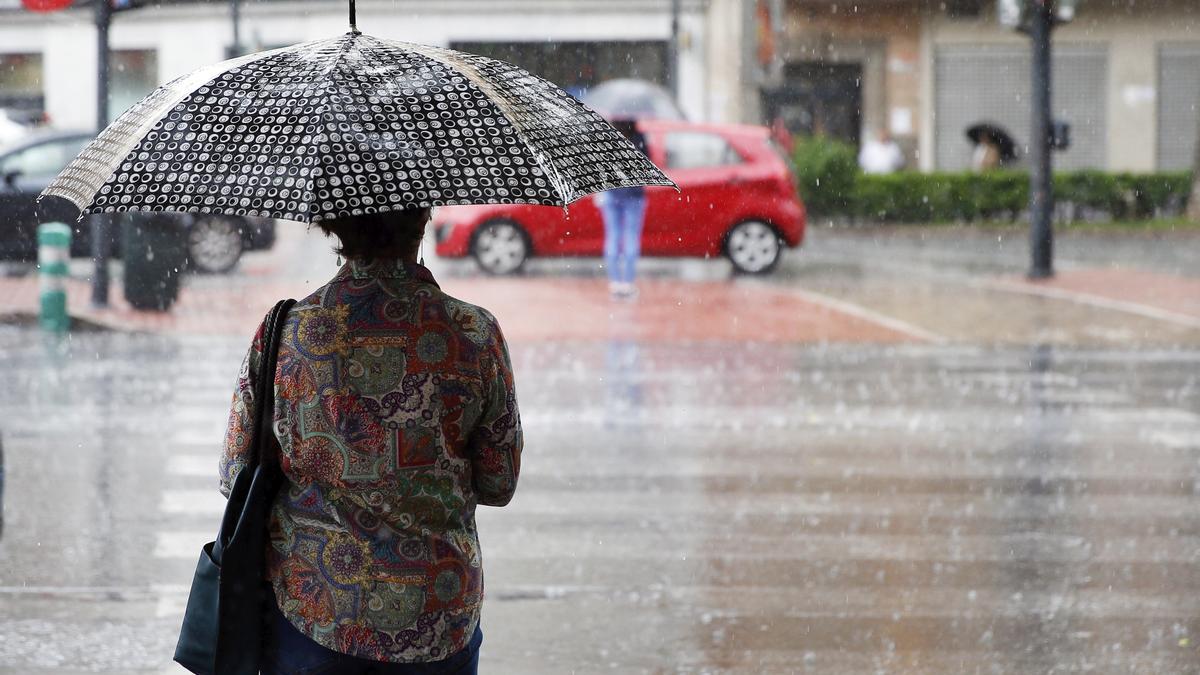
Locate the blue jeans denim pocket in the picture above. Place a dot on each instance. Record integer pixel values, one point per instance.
(287, 651)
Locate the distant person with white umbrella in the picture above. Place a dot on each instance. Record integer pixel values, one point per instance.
(627, 98)
(623, 102)
(624, 211)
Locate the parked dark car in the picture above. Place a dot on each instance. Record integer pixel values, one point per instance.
(214, 242)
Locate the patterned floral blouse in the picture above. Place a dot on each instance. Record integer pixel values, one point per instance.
(396, 415)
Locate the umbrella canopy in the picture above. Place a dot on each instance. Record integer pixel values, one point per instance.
(632, 99)
(347, 126)
(1000, 137)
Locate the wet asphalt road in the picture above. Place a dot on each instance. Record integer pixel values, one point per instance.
(686, 506)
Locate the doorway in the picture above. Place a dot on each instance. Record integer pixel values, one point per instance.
(818, 98)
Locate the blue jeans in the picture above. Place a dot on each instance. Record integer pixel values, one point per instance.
(623, 213)
(287, 651)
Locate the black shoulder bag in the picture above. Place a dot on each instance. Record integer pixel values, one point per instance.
(222, 626)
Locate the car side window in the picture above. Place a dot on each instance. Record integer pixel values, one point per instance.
(696, 149)
(43, 159)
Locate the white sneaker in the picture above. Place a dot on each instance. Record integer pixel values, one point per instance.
(623, 290)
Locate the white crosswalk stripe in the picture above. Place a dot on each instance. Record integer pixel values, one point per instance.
(193, 465)
(181, 544)
(193, 502)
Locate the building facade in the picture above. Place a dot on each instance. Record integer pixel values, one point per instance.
(1126, 77)
(1126, 72)
(48, 61)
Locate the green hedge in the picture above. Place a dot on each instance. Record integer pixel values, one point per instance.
(937, 197)
(832, 185)
(826, 175)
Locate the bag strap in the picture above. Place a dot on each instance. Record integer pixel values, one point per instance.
(264, 386)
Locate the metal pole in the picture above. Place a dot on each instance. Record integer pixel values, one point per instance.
(673, 57)
(353, 19)
(1, 486)
(1041, 188)
(101, 239)
(54, 256)
(235, 16)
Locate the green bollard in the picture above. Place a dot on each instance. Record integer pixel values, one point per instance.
(54, 251)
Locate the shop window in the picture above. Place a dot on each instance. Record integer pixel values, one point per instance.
(576, 66)
(133, 73)
(21, 86)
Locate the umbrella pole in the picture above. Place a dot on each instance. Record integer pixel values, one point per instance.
(353, 21)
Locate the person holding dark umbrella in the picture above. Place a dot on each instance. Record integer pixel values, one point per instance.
(393, 412)
(994, 146)
(396, 416)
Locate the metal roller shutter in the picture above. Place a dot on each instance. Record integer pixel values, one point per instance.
(1179, 99)
(991, 83)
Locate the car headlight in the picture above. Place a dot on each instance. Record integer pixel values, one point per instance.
(442, 230)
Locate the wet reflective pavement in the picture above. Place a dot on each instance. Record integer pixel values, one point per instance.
(720, 507)
(691, 502)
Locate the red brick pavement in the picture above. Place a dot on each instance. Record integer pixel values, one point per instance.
(546, 308)
(1164, 291)
(195, 312)
(568, 309)
(1140, 291)
(530, 309)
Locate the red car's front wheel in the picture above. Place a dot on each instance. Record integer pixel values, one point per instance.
(500, 247)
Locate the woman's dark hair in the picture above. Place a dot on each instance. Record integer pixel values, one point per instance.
(373, 236)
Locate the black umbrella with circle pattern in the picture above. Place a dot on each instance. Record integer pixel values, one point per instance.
(351, 125)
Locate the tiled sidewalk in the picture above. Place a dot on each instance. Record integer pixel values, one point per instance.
(530, 309)
(1163, 296)
(546, 307)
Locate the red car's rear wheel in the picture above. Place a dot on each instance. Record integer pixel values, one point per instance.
(500, 247)
(214, 244)
(754, 247)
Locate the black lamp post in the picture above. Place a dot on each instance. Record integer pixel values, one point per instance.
(100, 224)
(235, 18)
(1041, 178)
(1038, 18)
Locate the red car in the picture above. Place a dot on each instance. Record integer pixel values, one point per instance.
(737, 198)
